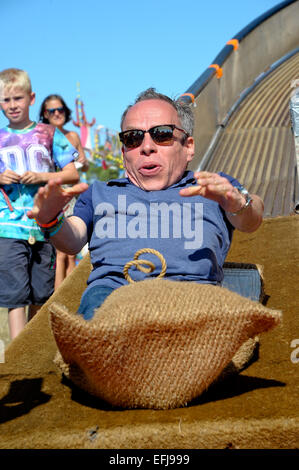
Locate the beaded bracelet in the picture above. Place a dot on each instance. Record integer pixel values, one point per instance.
(52, 222)
(52, 227)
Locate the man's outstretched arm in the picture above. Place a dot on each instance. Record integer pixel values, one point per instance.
(217, 188)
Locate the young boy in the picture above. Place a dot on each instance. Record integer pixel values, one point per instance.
(30, 154)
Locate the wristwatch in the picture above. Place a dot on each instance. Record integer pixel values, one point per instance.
(248, 200)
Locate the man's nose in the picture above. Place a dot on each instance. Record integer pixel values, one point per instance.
(148, 146)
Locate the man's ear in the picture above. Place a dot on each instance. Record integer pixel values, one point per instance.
(123, 155)
(189, 143)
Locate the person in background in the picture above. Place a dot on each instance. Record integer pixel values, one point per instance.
(55, 111)
(30, 154)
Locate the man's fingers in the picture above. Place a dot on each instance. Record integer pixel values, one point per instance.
(191, 191)
(218, 189)
(51, 198)
(76, 189)
(33, 213)
(55, 181)
(205, 174)
(209, 190)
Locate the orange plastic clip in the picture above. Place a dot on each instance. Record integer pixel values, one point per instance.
(233, 42)
(219, 71)
(191, 96)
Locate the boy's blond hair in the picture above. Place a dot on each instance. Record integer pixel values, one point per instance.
(15, 78)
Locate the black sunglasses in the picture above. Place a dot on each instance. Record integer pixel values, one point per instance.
(161, 135)
(52, 110)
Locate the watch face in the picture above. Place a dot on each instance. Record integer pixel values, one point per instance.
(242, 190)
(245, 193)
(248, 199)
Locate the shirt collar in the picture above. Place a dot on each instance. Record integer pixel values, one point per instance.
(21, 131)
(187, 178)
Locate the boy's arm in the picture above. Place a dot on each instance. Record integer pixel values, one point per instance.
(9, 177)
(63, 153)
(75, 141)
(68, 175)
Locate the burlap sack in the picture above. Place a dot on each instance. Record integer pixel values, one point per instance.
(157, 343)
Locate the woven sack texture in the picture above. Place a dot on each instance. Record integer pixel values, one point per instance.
(157, 343)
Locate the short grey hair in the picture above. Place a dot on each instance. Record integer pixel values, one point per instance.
(185, 113)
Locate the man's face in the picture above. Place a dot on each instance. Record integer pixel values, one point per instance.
(15, 106)
(150, 166)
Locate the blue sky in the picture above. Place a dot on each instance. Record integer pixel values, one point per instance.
(118, 48)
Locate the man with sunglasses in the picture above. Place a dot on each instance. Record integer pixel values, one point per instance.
(187, 217)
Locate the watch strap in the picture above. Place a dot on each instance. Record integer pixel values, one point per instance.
(248, 200)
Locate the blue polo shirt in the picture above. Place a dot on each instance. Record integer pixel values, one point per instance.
(192, 233)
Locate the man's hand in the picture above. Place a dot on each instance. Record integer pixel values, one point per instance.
(9, 177)
(217, 188)
(51, 199)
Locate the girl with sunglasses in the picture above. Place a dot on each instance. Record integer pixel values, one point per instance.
(54, 111)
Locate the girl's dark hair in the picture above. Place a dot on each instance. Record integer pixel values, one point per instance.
(67, 110)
